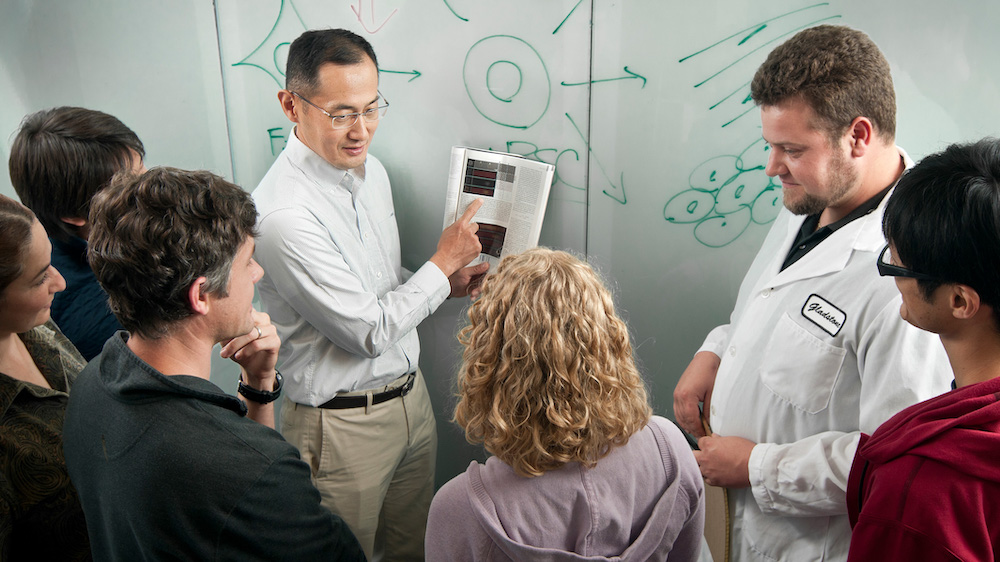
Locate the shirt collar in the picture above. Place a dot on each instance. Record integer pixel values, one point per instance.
(130, 379)
(864, 233)
(317, 167)
(57, 369)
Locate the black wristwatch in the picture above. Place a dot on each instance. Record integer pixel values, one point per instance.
(262, 396)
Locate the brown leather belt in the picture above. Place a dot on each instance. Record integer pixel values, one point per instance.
(345, 402)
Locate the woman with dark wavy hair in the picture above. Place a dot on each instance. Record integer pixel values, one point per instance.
(580, 467)
(40, 515)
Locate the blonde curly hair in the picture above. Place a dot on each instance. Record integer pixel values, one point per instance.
(547, 374)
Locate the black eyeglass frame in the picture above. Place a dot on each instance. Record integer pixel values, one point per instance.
(887, 269)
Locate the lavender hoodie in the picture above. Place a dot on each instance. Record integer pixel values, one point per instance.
(643, 501)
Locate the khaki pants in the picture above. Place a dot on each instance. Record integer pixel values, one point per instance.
(374, 467)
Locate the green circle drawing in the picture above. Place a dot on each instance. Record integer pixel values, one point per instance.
(691, 205)
(279, 59)
(532, 94)
(490, 76)
(718, 231)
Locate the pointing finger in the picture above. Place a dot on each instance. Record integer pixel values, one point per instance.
(471, 210)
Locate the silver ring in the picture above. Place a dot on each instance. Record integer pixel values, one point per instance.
(259, 334)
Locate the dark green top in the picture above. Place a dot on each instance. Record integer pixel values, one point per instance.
(40, 515)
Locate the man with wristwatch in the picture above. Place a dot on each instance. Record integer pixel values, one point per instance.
(166, 464)
(347, 311)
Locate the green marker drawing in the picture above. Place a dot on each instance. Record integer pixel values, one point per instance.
(751, 34)
(731, 94)
(759, 26)
(272, 137)
(567, 17)
(631, 76)
(266, 56)
(416, 73)
(491, 77)
(489, 81)
(726, 194)
(614, 194)
(452, 10)
(801, 27)
(514, 147)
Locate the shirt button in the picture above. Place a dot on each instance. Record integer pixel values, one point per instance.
(379, 275)
(765, 293)
(732, 351)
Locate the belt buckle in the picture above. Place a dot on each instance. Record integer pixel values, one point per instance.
(408, 385)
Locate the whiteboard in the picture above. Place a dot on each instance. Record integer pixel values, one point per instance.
(688, 147)
(642, 106)
(155, 66)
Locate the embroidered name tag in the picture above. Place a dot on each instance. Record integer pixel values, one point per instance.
(819, 311)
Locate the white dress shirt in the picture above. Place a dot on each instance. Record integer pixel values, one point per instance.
(343, 305)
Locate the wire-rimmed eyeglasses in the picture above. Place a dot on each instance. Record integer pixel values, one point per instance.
(347, 121)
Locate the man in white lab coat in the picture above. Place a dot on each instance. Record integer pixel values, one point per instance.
(815, 351)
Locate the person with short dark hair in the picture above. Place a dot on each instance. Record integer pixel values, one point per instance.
(166, 464)
(580, 468)
(345, 308)
(814, 353)
(40, 515)
(926, 484)
(60, 158)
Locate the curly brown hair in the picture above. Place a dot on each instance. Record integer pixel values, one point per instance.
(840, 72)
(547, 375)
(154, 234)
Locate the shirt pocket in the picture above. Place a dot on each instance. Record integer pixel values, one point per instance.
(800, 368)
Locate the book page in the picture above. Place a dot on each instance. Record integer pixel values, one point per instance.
(514, 191)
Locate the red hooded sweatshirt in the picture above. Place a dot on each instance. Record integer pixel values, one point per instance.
(926, 485)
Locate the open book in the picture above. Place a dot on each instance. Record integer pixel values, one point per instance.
(514, 190)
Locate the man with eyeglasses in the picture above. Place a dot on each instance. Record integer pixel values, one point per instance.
(346, 310)
(815, 351)
(925, 485)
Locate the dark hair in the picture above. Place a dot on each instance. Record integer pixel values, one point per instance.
(838, 71)
(315, 48)
(62, 156)
(15, 238)
(943, 219)
(153, 235)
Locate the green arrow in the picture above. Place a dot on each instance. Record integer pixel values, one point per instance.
(415, 73)
(631, 76)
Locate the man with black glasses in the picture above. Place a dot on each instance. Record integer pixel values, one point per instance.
(345, 308)
(925, 485)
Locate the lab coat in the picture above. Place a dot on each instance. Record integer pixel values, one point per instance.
(812, 355)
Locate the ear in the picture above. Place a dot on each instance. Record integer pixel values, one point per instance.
(81, 225)
(198, 299)
(860, 135)
(75, 221)
(287, 101)
(964, 301)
